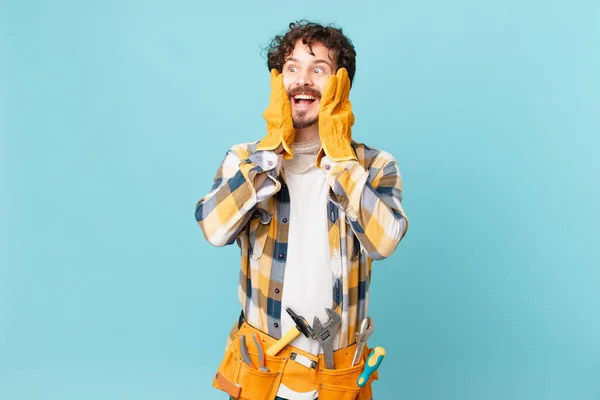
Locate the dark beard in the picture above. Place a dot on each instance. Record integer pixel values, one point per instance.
(300, 121)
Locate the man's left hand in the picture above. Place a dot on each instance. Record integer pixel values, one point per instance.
(336, 119)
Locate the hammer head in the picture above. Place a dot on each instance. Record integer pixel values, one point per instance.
(301, 323)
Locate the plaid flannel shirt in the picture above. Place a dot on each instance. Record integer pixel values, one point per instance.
(366, 221)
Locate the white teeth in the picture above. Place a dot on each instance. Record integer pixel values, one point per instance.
(304, 97)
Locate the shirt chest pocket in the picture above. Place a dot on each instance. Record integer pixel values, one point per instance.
(259, 232)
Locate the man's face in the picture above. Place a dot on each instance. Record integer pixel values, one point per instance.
(304, 78)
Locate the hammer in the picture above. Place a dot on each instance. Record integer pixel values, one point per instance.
(301, 327)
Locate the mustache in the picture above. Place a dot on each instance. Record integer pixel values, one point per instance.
(310, 91)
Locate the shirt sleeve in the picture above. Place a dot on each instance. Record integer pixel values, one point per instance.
(371, 200)
(226, 209)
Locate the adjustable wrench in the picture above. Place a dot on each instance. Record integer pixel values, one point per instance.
(325, 334)
(367, 327)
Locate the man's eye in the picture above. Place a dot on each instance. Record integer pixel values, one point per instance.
(319, 70)
(292, 69)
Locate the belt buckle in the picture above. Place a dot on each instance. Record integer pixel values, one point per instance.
(303, 360)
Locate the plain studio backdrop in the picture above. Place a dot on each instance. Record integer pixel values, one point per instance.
(114, 116)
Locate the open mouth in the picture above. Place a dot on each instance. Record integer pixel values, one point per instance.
(303, 100)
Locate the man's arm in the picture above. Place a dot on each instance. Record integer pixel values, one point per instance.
(372, 201)
(242, 181)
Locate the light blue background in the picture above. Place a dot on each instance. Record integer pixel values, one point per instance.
(115, 115)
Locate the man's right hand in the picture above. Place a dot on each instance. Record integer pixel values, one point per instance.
(280, 127)
(262, 177)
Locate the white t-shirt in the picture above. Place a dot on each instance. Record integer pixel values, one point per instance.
(308, 279)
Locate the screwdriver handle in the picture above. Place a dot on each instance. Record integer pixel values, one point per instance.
(373, 362)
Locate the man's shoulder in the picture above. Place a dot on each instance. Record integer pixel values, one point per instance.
(370, 157)
(244, 150)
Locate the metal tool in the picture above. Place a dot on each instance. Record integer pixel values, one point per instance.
(365, 330)
(301, 327)
(325, 334)
(301, 323)
(371, 365)
(246, 356)
(244, 351)
(261, 353)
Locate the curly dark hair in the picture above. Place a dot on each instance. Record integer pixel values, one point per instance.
(310, 32)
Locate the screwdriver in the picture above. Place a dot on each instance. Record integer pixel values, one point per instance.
(373, 362)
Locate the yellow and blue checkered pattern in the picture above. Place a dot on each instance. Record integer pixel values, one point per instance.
(366, 221)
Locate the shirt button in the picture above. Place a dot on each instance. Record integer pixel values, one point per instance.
(276, 325)
(269, 163)
(327, 167)
(284, 220)
(276, 290)
(281, 255)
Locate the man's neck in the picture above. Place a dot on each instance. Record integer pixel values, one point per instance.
(307, 134)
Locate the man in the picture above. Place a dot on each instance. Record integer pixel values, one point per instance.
(310, 209)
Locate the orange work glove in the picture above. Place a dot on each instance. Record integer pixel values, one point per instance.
(336, 119)
(280, 127)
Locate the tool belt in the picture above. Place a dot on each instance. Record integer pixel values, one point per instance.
(296, 369)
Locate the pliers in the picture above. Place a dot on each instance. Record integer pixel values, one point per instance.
(259, 348)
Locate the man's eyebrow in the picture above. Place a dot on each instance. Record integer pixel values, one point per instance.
(320, 60)
(317, 61)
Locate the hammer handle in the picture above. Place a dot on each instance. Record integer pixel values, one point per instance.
(284, 341)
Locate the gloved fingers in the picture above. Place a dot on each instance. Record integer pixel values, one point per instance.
(279, 108)
(329, 91)
(274, 74)
(277, 88)
(343, 86)
(346, 108)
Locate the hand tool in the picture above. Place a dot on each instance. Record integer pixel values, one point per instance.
(246, 356)
(325, 334)
(301, 327)
(261, 353)
(371, 365)
(244, 351)
(366, 329)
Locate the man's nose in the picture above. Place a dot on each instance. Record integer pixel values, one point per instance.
(305, 79)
